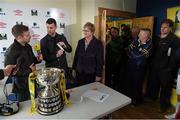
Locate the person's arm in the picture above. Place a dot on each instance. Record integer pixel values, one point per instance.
(67, 47)
(143, 53)
(99, 60)
(9, 69)
(24, 71)
(1, 74)
(6, 71)
(76, 57)
(12, 57)
(44, 50)
(36, 60)
(130, 48)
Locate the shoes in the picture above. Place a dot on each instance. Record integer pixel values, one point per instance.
(170, 116)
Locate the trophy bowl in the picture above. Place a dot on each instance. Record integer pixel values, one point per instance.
(49, 98)
(48, 76)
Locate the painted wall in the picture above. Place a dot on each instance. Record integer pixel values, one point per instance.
(90, 7)
(130, 5)
(123, 5)
(116, 4)
(88, 10)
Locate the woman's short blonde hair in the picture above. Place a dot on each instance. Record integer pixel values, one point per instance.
(90, 26)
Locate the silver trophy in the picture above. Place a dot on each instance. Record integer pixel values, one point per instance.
(49, 98)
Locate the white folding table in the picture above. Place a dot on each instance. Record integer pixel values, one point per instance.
(85, 109)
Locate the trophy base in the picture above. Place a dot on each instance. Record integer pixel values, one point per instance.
(50, 105)
(51, 113)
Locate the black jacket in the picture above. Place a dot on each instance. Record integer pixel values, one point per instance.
(161, 59)
(23, 57)
(49, 49)
(1, 74)
(114, 54)
(89, 61)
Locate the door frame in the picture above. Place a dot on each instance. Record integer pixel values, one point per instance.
(116, 13)
(100, 25)
(109, 12)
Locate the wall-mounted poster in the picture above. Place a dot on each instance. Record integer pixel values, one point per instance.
(34, 17)
(174, 14)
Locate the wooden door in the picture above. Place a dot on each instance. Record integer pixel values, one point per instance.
(100, 25)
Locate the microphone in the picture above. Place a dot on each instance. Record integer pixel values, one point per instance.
(19, 61)
(58, 44)
(37, 48)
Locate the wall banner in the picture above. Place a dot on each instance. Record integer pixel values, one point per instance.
(34, 17)
(174, 14)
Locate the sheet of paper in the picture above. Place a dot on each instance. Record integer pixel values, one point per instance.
(95, 95)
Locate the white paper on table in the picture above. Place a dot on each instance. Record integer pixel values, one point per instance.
(96, 95)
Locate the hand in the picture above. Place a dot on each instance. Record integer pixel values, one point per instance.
(59, 53)
(98, 79)
(39, 58)
(8, 69)
(62, 44)
(108, 39)
(32, 67)
(74, 73)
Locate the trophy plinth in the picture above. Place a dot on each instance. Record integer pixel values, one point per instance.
(49, 98)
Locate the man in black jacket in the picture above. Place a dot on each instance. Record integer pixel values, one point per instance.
(6, 71)
(164, 66)
(54, 46)
(21, 54)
